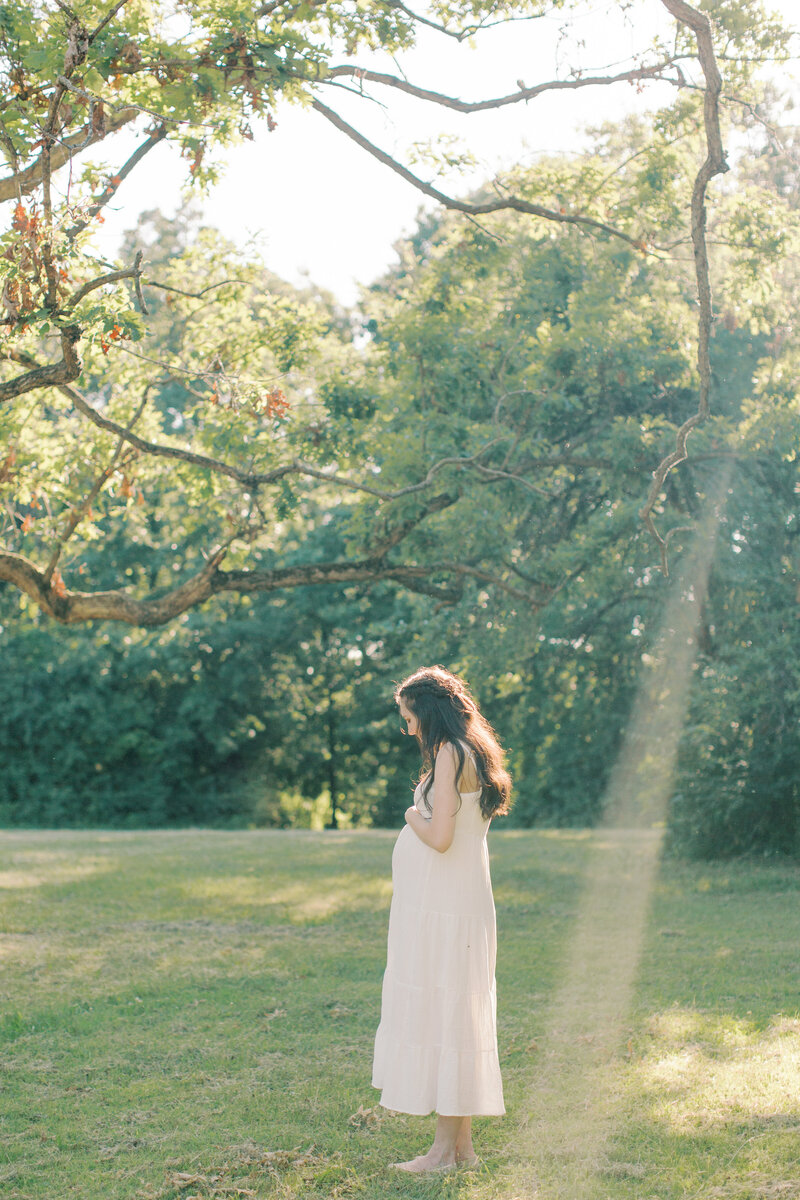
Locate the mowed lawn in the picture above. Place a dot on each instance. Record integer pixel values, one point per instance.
(191, 1014)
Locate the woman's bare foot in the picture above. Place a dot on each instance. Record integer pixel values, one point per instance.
(452, 1147)
(467, 1160)
(423, 1163)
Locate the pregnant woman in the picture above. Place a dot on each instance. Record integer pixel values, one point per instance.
(436, 1045)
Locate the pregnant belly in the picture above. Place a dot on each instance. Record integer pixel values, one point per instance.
(409, 856)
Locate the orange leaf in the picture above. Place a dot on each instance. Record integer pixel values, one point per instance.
(57, 584)
(27, 524)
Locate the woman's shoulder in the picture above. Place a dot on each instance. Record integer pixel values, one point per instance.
(451, 748)
(448, 751)
(467, 780)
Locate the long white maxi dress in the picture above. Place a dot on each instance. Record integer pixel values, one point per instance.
(436, 1044)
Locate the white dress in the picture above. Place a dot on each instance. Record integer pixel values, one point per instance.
(436, 1045)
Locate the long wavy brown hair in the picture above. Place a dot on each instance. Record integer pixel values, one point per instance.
(446, 712)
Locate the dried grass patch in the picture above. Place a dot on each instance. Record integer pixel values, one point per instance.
(245, 1170)
(756, 1186)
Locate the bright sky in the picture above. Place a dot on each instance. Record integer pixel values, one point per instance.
(321, 207)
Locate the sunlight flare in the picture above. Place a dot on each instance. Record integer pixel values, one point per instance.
(575, 1095)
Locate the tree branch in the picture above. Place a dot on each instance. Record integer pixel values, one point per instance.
(471, 106)
(102, 280)
(251, 480)
(51, 374)
(30, 178)
(715, 164)
(108, 17)
(111, 187)
(13, 157)
(460, 35)
(70, 607)
(167, 287)
(464, 206)
(78, 512)
(394, 536)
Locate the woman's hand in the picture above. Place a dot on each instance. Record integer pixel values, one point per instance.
(438, 830)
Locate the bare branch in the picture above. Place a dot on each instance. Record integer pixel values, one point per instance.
(492, 577)
(715, 164)
(495, 473)
(48, 139)
(248, 479)
(409, 489)
(168, 287)
(111, 187)
(66, 9)
(460, 35)
(108, 17)
(464, 206)
(772, 131)
(137, 284)
(394, 536)
(471, 106)
(72, 607)
(102, 280)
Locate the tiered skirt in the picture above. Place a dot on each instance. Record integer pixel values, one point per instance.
(436, 1045)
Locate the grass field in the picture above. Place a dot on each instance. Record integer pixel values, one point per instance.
(191, 1014)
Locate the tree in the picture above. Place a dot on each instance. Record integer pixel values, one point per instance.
(78, 376)
(502, 334)
(516, 335)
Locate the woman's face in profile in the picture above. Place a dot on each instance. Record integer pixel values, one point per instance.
(408, 717)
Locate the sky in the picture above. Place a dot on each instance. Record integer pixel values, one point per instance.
(320, 209)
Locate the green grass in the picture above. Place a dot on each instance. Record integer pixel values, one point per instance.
(191, 1014)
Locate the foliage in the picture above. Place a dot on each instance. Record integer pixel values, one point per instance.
(242, 349)
(556, 379)
(290, 505)
(258, 718)
(737, 788)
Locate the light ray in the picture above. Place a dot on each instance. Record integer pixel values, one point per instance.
(576, 1091)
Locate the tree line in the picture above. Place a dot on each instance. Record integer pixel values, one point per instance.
(233, 512)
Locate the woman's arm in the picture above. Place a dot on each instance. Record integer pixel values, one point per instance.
(438, 833)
